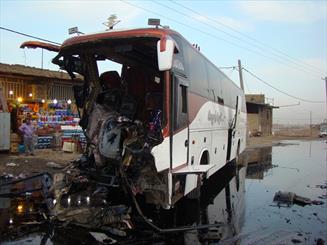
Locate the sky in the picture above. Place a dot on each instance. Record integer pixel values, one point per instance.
(283, 43)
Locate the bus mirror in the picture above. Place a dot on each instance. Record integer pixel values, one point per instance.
(165, 50)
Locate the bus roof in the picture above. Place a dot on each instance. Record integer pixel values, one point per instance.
(112, 34)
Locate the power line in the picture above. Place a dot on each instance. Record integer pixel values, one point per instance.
(190, 27)
(227, 67)
(293, 60)
(279, 57)
(290, 105)
(211, 35)
(27, 35)
(220, 30)
(292, 96)
(280, 60)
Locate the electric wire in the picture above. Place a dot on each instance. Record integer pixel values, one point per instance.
(227, 67)
(213, 36)
(281, 91)
(281, 58)
(27, 35)
(292, 59)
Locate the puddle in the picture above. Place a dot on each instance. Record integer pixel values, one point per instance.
(239, 198)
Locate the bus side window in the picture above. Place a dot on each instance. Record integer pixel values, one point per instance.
(184, 99)
(181, 118)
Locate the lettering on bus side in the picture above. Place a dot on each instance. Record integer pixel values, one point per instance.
(215, 117)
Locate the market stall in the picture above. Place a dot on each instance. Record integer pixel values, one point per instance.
(56, 122)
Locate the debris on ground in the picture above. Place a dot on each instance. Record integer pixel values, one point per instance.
(290, 198)
(12, 164)
(27, 186)
(103, 238)
(320, 241)
(54, 165)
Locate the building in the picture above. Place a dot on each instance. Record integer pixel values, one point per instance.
(34, 84)
(259, 115)
(46, 97)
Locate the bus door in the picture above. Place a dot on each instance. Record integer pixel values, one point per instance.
(238, 110)
(233, 126)
(180, 139)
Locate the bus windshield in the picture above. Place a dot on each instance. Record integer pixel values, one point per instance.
(115, 71)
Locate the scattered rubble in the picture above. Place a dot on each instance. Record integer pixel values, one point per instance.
(12, 164)
(290, 198)
(54, 165)
(103, 238)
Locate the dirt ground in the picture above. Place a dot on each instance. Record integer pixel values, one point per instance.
(19, 163)
(42, 162)
(284, 134)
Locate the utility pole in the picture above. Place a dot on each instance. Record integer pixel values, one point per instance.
(310, 123)
(325, 79)
(240, 74)
(42, 59)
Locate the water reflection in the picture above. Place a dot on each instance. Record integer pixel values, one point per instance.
(223, 201)
(259, 162)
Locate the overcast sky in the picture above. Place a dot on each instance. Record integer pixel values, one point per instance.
(282, 42)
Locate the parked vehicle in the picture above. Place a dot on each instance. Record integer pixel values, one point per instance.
(323, 129)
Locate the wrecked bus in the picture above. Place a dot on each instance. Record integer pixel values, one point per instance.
(159, 128)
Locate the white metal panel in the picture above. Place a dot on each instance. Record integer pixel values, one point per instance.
(179, 148)
(191, 183)
(161, 155)
(4, 131)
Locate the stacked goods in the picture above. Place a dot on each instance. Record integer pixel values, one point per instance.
(15, 140)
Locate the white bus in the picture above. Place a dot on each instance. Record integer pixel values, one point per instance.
(167, 122)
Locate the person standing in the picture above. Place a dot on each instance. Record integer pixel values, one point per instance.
(28, 131)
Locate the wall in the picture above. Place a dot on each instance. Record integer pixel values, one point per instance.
(259, 120)
(41, 88)
(253, 123)
(256, 98)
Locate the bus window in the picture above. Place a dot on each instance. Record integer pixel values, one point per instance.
(180, 105)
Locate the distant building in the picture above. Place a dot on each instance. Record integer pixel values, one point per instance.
(30, 83)
(259, 115)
